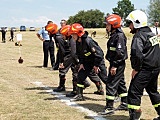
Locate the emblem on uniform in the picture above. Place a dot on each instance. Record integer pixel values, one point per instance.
(93, 49)
(119, 46)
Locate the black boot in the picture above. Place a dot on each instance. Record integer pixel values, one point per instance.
(79, 96)
(74, 92)
(135, 114)
(61, 86)
(109, 109)
(100, 90)
(122, 106)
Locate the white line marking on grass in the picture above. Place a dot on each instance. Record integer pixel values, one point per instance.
(67, 101)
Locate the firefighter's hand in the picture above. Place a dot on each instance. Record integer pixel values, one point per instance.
(113, 70)
(61, 65)
(96, 69)
(134, 73)
(81, 67)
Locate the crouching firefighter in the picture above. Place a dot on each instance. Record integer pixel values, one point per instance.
(145, 62)
(90, 57)
(68, 59)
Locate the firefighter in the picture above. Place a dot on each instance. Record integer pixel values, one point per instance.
(145, 62)
(68, 60)
(65, 60)
(90, 57)
(116, 55)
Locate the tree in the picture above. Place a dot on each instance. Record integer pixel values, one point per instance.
(89, 19)
(123, 9)
(153, 11)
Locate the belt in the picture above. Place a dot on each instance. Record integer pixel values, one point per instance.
(47, 40)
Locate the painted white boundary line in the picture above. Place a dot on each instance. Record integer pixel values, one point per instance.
(67, 101)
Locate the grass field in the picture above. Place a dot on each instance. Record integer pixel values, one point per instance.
(20, 99)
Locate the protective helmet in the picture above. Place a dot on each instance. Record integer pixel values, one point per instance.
(52, 28)
(114, 20)
(138, 18)
(77, 29)
(65, 30)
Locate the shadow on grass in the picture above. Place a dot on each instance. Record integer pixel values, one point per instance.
(113, 117)
(53, 98)
(35, 66)
(39, 88)
(99, 108)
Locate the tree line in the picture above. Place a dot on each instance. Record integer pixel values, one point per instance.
(94, 18)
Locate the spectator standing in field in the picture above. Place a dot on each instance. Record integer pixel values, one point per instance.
(3, 35)
(155, 28)
(48, 46)
(12, 35)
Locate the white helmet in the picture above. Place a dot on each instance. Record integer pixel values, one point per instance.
(139, 18)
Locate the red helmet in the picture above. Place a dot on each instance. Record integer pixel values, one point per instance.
(77, 29)
(52, 28)
(65, 30)
(114, 20)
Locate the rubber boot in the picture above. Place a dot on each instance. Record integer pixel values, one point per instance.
(74, 92)
(123, 105)
(79, 96)
(100, 90)
(158, 112)
(109, 109)
(135, 114)
(61, 86)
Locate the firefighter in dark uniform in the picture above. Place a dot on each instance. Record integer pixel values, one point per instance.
(116, 55)
(145, 62)
(90, 58)
(68, 59)
(62, 23)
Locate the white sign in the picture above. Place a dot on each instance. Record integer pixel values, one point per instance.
(19, 37)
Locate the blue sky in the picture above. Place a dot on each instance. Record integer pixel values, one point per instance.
(38, 12)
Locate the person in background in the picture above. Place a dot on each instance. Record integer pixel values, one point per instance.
(116, 55)
(3, 35)
(155, 29)
(48, 46)
(12, 35)
(145, 62)
(62, 23)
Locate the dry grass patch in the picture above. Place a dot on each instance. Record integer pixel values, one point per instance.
(20, 99)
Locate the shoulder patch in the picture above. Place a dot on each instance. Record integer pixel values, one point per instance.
(119, 46)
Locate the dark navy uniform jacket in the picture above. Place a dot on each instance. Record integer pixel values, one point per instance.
(145, 50)
(88, 51)
(116, 48)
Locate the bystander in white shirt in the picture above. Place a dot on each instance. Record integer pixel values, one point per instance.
(156, 29)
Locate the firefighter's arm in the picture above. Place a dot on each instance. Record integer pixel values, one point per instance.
(120, 50)
(97, 52)
(61, 48)
(136, 54)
